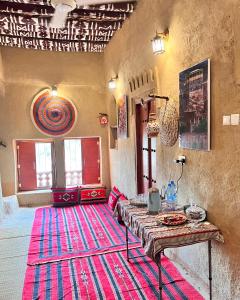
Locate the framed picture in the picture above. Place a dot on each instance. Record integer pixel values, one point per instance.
(122, 105)
(194, 107)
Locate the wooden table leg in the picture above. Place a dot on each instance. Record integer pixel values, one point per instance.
(210, 268)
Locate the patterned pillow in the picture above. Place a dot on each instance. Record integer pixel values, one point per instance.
(122, 198)
(113, 198)
(64, 196)
(116, 190)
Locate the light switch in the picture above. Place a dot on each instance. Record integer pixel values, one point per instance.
(226, 120)
(234, 119)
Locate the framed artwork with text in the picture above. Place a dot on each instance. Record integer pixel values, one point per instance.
(194, 107)
(122, 106)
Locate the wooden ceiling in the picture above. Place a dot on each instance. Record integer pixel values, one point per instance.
(25, 24)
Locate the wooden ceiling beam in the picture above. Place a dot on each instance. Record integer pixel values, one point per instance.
(50, 31)
(53, 45)
(34, 35)
(122, 7)
(93, 25)
(73, 17)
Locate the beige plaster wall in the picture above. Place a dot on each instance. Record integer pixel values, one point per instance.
(1, 99)
(78, 76)
(1, 77)
(198, 30)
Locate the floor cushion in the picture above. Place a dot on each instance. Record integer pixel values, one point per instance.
(65, 196)
(113, 197)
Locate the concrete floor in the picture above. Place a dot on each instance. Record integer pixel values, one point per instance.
(15, 232)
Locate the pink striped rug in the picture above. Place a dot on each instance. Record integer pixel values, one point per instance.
(77, 253)
(106, 277)
(76, 231)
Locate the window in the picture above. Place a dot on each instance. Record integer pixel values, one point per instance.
(73, 162)
(34, 165)
(82, 161)
(43, 164)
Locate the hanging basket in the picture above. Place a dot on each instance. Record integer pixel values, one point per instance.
(153, 126)
(168, 124)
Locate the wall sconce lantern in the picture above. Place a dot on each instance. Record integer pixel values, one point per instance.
(158, 42)
(112, 83)
(54, 91)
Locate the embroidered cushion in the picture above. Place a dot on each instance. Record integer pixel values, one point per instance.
(113, 197)
(64, 196)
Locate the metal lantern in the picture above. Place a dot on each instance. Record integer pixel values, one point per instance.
(158, 42)
(112, 83)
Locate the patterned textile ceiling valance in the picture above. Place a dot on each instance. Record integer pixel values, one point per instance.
(53, 115)
(25, 24)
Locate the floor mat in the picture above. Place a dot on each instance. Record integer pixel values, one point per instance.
(77, 231)
(107, 276)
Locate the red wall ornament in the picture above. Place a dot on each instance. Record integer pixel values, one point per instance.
(103, 119)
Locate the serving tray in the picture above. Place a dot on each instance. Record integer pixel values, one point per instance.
(172, 219)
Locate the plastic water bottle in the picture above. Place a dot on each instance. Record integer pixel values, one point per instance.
(174, 194)
(171, 195)
(168, 193)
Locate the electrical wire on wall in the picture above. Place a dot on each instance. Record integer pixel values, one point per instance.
(181, 174)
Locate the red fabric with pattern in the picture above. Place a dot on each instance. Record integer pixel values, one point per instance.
(113, 197)
(64, 196)
(116, 190)
(122, 198)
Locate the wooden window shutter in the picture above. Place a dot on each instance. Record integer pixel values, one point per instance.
(91, 160)
(26, 166)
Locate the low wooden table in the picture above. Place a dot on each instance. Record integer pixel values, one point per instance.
(155, 238)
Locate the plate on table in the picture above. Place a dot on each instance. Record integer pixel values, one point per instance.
(173, 219)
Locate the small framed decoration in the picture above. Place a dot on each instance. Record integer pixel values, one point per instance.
(122, 105)
(103, 119)
(194, 107)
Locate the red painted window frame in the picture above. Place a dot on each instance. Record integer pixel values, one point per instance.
(91, 160)
(26, 165)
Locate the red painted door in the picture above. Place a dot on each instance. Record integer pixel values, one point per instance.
(90, 160)
(154, 160)
(139, 146)
(26, 165)
(146, 142)
(144, 170)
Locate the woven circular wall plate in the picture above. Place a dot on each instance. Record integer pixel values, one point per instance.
(168, 120)
(53, 115)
